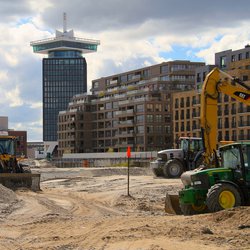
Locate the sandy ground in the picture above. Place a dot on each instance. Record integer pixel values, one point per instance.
(91, 210)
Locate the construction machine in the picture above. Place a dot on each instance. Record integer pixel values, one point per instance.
(13, 173)
(171, 163)
(219, 183)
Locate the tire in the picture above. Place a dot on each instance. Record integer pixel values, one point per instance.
(157, 172)
(222, 196)
(188, 209)
(173, 169)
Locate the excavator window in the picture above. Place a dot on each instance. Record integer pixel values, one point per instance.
(7, 146)
(246, 156)
(231, 158)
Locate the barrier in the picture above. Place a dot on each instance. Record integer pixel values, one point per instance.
(85, 163)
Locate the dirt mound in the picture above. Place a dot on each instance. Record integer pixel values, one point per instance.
(8, 199)
(231, 217)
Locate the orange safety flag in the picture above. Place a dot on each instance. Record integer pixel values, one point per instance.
(128, 152)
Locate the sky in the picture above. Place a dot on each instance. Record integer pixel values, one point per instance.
(133, 34)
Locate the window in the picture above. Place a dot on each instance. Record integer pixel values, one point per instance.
(124, 78)
(223, 61)
(146, 73)
(164, 78)
(140, 118)
(233, 58)
(140, 129)
(140, 140)
(176, 115)
(158, 107)
(164, 69)
(198, 77)
(108, 105)
(140, 107)
(158, 118)
(204, 75)
(158, 129)
(150, 118)
(168, 129)
(96, 85)
(245, 78)
(150, 129)
(150, 139)
(176, 103)
(150, 107)
(240, 57)
(231, 158)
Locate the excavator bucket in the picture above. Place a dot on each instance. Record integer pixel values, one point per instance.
(172, 205)
(19, 180)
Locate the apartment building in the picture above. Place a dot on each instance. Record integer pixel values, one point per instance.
(75, 126)
(129, 109)
(224, 59)
(186, 114)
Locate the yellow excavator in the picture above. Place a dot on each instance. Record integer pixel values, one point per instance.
(13, 173)
(195, 196)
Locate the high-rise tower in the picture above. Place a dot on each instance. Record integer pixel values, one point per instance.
(64, 75)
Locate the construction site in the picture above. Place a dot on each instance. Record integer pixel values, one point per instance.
(88, 208)
(186, 185)
(135, 207)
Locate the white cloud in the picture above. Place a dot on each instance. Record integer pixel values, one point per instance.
(132, 34)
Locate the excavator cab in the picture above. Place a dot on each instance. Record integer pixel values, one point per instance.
(14, 174)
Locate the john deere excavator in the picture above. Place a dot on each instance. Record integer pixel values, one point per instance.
(14, 174)
(219, 183)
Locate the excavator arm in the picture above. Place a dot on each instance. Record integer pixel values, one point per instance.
(217, 82)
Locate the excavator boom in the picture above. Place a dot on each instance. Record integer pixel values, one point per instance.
(217, 82)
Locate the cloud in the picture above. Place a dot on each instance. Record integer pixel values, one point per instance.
(133, 34)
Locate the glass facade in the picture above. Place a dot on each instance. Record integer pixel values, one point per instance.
(63, 77)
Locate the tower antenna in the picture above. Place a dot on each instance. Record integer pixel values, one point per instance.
(64, 22)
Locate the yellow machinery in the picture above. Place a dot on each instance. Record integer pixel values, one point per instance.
(215, 83)
(14, 174)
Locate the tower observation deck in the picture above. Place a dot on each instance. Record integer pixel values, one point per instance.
(64, 75)
(65, 41)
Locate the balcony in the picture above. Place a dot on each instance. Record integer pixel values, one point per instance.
(113, 82)
(124, 102)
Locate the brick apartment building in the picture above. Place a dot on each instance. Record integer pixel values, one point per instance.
(149, 108)
(129, 109)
